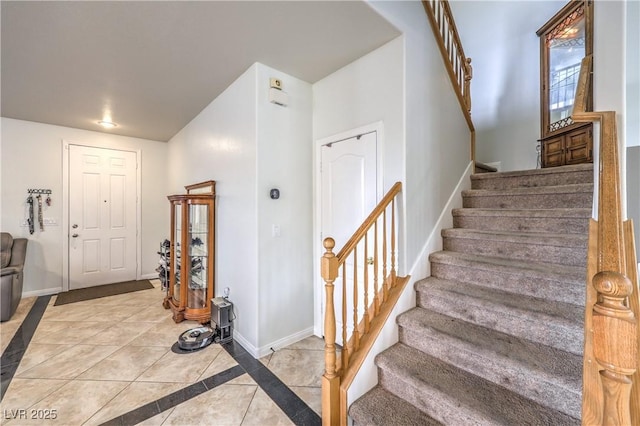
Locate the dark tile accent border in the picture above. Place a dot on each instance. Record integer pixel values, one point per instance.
(154, 408)
(18, 345)
(294, 407)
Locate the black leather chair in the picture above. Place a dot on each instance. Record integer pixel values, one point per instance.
(12, 255)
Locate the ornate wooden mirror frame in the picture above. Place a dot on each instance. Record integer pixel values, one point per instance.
(564, 40)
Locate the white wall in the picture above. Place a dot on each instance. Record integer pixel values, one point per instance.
(500, 38)
(220, 144)
(426, 141)
(437, 139)
(32, 158)
(632, 92)
(632, 59)
(248, 146)
(285, 277)
(364, 92)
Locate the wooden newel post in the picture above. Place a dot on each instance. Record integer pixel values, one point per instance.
(615, 344)
(330, 378)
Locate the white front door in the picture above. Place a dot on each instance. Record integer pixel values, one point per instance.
(349, 194)
(102, 216)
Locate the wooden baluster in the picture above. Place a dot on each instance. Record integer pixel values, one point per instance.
(366, 282)
(376, 297)
(385, 285)
(451, 46)
(345, 346)
(438, 15)
(393, 243)
(330, 378)
(356, 332)
(615, 344)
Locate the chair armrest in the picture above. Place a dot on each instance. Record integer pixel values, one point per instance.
(18, 252)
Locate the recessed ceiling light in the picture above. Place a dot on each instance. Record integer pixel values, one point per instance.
(107, 124)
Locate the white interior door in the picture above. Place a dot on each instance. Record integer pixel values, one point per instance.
(102, 216)
(348, 194)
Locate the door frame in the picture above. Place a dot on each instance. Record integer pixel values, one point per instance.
(318, 250)
(66, 199)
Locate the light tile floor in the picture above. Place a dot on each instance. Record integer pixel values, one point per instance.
(95, 360)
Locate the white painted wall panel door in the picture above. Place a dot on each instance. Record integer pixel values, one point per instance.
(349, 188)
(102, 216)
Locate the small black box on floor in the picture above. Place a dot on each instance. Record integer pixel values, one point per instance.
(222, 318)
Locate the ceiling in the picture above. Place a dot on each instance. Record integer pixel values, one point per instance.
(152, 66)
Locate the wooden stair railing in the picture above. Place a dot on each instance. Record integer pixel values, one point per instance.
(611, 376)
(373, 288)
(457, 64)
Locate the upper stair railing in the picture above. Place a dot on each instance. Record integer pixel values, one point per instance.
(457, 64)
(364, 272)
(611, 378)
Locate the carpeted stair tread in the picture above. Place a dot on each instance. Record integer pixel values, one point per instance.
(542, 280)
(497, 357)
(546, 197)
(553, 324)
(574, 174)
(497, 334)
(382, 408)
(439, 331)
(566, 249)
(456, 397)
(567, 221)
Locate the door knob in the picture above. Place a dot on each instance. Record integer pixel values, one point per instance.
(75, 235)
(74, 226)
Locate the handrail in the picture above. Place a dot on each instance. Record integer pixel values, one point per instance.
(457, 64)
(611, 385)
(344, 267)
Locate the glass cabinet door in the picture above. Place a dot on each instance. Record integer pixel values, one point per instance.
(198, 255)
(177, 251)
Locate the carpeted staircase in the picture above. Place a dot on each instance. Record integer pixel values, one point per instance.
(496, 338)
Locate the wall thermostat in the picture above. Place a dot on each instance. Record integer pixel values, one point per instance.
(274, 194)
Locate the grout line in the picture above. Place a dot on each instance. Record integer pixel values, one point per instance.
(172, 400)
(249, 405)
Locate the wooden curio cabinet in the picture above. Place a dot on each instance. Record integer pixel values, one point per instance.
(191, 286)
(564, 40)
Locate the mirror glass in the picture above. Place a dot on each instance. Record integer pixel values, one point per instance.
(566, 48)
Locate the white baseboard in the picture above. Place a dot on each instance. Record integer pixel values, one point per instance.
(43, 292)
(422, 268)
(285, 341)
(245, 344)
(278, 344)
